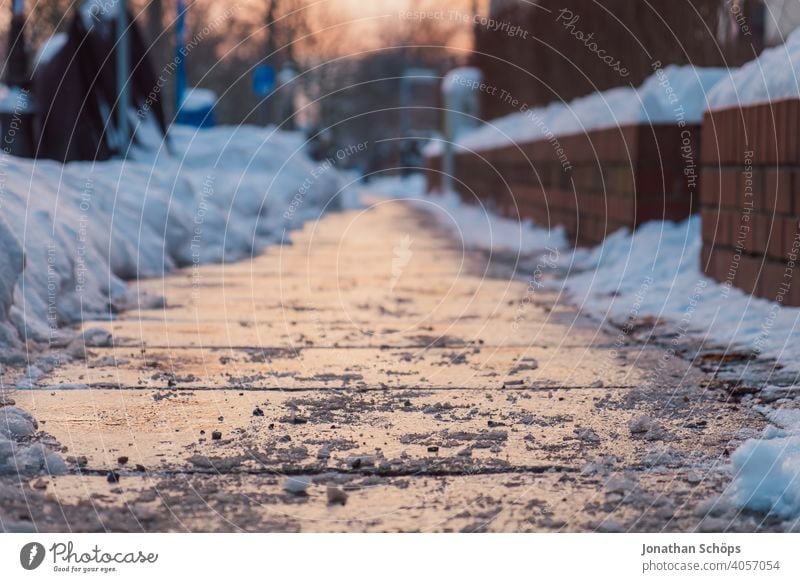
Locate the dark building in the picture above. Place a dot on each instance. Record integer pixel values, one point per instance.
(567, 48)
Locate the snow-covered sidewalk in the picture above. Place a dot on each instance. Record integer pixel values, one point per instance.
(653, 276)
(376, 375)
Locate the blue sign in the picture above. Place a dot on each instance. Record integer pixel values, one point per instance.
(263, 80)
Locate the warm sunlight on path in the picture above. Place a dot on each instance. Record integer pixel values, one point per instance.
(382, 363)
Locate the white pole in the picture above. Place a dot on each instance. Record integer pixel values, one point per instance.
(123, 101)
(448, 159)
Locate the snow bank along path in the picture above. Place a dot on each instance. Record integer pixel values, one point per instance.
(72, 233)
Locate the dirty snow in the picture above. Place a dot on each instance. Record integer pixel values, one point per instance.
(766, 475)
(655, 101)
(656, 272)
(224, 194)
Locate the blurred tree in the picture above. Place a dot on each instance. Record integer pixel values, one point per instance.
(332, 45)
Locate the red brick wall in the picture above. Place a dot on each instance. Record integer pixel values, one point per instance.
(549, 63)
(750, 198)
(592, 184)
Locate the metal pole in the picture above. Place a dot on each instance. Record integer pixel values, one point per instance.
(180, 43)
(123, 73)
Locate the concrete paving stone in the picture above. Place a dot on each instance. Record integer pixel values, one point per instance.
(416, 368)
(377, 356)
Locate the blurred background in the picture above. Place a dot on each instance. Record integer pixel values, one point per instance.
(322, 66)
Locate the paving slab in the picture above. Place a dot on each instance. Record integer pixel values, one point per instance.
(413, 368)
(426, 386)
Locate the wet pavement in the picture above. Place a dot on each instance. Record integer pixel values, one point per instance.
(375, 376)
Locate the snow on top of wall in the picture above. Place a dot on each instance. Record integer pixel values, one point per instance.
(669, 95)
(770, 77)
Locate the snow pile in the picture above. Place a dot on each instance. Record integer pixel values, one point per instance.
(474, 224)
(667, 96)
(766, 471)
(656, 272)
(19, 458)
(770, 77)
(226, 193)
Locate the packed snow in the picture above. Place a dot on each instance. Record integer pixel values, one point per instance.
(770, 77)
(669, 95)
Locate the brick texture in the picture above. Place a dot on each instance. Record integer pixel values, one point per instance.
(750, 198)
(592, 184)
